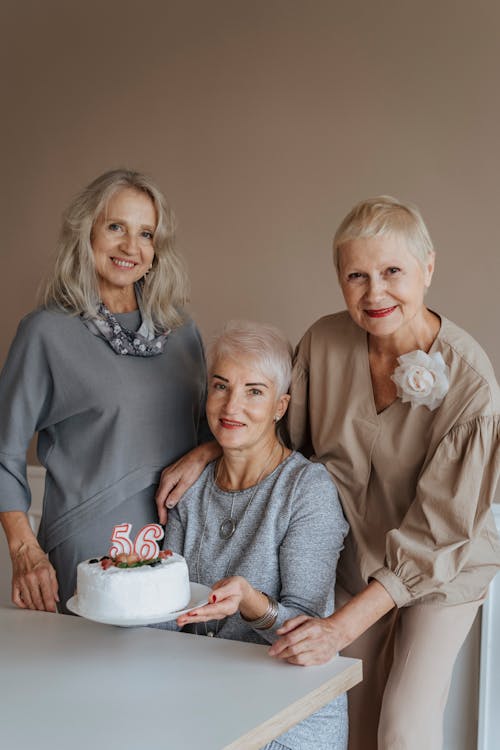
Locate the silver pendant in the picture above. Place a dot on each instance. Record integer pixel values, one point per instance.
(227, 528)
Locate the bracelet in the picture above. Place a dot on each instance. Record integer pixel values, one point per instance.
(267, 620)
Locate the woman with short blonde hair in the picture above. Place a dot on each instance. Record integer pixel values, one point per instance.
(403, 409)
(380, 216)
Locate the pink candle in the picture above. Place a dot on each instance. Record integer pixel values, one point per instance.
(145, 545)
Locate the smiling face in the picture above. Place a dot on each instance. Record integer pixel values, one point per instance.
(242, 404)
(122, 243)
(384, 284)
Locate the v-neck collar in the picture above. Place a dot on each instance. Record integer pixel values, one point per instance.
(366, 366)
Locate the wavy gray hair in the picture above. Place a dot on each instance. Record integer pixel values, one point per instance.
(267, 346)
(73, 285)
(383, 215)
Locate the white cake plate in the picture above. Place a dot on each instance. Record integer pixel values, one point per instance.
(199, 597)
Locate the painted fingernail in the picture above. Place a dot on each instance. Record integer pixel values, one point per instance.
(214, 598)
(191, 614)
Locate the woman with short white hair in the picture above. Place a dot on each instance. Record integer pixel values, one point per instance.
(110, 373)
(261, 518)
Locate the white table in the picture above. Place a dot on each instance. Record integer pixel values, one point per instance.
(67, 682)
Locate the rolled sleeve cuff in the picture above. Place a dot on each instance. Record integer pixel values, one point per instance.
(394, 586)
(14, 488)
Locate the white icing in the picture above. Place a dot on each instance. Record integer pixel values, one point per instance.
(145, 591)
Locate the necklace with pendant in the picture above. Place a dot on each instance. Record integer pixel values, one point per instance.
(228, 525)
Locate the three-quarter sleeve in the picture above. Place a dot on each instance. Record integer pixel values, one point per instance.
(26, 387)
(310, 549)
(448, 529)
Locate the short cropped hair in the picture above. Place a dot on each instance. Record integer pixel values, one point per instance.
(73, 284)
(266, 345)
(382, 215)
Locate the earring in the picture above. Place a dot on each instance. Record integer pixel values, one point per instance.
(276, 418)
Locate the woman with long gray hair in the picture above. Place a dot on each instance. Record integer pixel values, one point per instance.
(110, 372)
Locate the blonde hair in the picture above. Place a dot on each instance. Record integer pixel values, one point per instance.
(380, 216)
(269, 348)
(73, 285)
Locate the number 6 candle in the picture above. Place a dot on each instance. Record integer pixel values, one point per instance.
(145, 545)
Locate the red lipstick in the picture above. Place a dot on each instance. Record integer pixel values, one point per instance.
(229, 424)
(382, 313)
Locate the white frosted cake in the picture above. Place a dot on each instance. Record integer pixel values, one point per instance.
(153, 589)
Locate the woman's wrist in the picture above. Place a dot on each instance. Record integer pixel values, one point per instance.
(253, 603)
(268, 618)
(258, 609)
(208, 451)
(340, 625)
(18, 532)
(359, 614)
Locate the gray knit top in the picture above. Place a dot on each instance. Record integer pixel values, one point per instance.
(290, 531)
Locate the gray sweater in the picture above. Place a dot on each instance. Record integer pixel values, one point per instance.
(289, 534)
(107, 424)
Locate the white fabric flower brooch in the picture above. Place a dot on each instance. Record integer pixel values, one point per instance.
(422, 379)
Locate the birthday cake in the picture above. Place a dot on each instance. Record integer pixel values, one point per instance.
(128, 584)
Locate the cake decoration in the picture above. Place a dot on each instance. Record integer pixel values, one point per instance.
(132, 561)
(145, 546)
(136, 579)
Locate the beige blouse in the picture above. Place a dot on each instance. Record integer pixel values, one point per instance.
(416, 485)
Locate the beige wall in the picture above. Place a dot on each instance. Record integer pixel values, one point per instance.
(263, 121)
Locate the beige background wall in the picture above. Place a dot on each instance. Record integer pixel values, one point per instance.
(264, 121)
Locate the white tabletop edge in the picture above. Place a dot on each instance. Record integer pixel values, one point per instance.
(301, 709)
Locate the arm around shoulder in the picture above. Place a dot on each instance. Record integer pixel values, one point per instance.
(182, 474)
